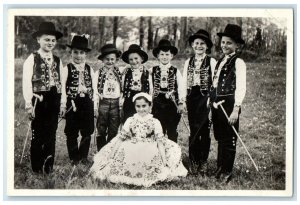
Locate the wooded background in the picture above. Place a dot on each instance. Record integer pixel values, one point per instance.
(264, 37)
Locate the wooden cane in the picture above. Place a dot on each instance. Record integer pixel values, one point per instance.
(220, 104)
(185, 123)
(29, 127)
(65, 114)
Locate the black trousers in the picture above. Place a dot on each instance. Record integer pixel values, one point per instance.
(108, 121)
(199, 140)
(44, 126)
(166, 112)
(224, 134)
(80, 121)
(128, 106)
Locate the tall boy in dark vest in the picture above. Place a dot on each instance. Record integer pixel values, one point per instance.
(42, 94)
(78, 83)
(168, 101)
(229, 84)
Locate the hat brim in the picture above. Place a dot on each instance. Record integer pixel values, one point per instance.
(117, 52)
(57, 34)
(142, 53)
(237, 40)
(172, 49)
(80, 48)
(195, 36)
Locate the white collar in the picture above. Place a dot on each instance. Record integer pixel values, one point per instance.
(140, 118)
(44, 54)
(79, 67)
(200, 57)
(167, 66)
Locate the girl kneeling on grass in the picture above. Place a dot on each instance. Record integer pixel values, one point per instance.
(140, 154)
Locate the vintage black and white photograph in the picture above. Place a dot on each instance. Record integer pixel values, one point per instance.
(175, 102)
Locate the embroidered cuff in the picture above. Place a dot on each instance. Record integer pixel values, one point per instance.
(28, 105)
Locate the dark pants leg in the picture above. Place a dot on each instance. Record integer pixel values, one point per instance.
(225, 135)
(44, 128)
(166, 112)
(108, 121)
(199, 140)
(128, 106)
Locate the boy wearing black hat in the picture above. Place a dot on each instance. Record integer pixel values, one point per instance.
(197, 79)
(78, 83)
(168, 99)
(42, 94)
(109, 91)
(229, 85)
(136, 78)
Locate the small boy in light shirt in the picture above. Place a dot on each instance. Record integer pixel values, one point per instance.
(109, 92)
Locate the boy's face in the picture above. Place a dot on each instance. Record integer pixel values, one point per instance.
(110, 60)
(47, 42)
(78, 56)
(199, 46)
(228, 45)
(142, 107)
(135, 60)
(164, 57)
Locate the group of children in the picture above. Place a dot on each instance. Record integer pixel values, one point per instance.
(79, 93)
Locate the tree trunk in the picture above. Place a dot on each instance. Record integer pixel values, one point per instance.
(175, 31)
(156, 37)
(150, 34)
(115, 29)
(183, 31)
(142, 19)
(101, 31)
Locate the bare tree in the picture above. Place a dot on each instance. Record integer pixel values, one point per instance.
(142, 34)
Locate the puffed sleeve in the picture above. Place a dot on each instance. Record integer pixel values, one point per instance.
(125, 132)
(27, 84)
(184, 78)
(158, 132)
(64, 77)
(240, 91)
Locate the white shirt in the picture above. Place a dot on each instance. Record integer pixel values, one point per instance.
(64, 77)
(213, 64)
(111, 88)
(240, 73)
(27, 76)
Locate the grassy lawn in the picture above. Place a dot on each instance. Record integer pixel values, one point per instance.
(262, 128)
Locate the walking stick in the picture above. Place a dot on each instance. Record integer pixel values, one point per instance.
(29, 123)
(69, 181)
(65, 114)
(220, 104)
(185, 123)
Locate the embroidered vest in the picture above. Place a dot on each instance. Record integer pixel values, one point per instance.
(102, 77)
(40, 78)
(73, 81)
(205, 75)
(128, 82)
(227, 79)
(171, 82)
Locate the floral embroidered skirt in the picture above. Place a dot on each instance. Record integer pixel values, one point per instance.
(138, 163)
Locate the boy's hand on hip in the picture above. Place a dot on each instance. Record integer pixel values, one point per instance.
(234, 116)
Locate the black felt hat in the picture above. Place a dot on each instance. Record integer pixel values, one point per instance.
(202, 34)
(80, 42)
(233, 31)
(108, 49)
(164, 44)
(134, 48)
(47, 28)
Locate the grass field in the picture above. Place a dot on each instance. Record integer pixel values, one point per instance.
(262, 127)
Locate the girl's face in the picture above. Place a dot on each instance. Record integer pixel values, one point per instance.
(110, 60)
(78, 56)
(47, 42)
(142, 107)
(228, 45)
(199, 46)
(135, 60)
(164, 57)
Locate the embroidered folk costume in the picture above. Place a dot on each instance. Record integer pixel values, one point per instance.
(110, 90)
(197, 78)
(135, 80)
(137, 159)
(167, 92)
(79, 82)
(229, 84)
(42, 77)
